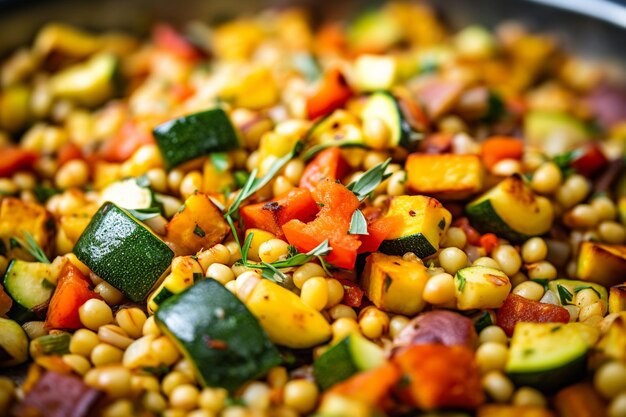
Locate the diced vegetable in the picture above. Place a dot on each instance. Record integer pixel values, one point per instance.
(195, 135)
(438, 326)
(185, 272)
(423, 222)
(370, 387)
(13, 159)
(377, 232)
(130, 137)
(332, 93)
(617, 298)
(344, 359)
(518, 309)
(384, 106)
(440, 377)
(17, 217)
(30, 285)
(286, 319)
(497, 148)
(339, 128)
(123, 251)
(613, 342)
(511, 210)
(587, 160)
(272, 215)
(479, 287)
(332, 223)
(51, 344)
(255, 90)
(375, 72)
(568, 289)
(554, 132)
(546, 356)
(222, 340)
(445, 176)
(167, 38)
(198, 224)
(130, 193)
(601, 263)
(579, 400)
(13, 343)
(73, 290)
(328, 164)
(393, 284)
(89, 83)
(440, 96)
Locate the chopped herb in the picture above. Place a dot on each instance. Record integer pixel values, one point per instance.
(30, 245)
(542, 281)
(43, 193)
(241, 177)
(584, 287)
(358, 224)
(388, 282)
(369, 180)
(47, 284)
(564, 294)
(198, 231)
(461, 285)
(291, 251)
(219, 161)
(319, 204)
(442, 224)
(555, 329)
(146, 213)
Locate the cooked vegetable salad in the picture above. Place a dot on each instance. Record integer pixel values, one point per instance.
(262, 217)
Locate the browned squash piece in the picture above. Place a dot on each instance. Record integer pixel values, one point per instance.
(498, 410)
(613, 342)
(445, 176)
(601, 263)
(617, 298)
(16, 217)
(199, 224)
(579, 400)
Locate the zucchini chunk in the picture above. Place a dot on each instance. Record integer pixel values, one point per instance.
(30, 285)
(344, 359)
(123, 251)
(339, 128)
(221, 338)
(395, 285)
(480, 287)
(17, 217)
(512, 211)
(554, 132)
(185, 272)
(601, 263)
(195, 135)
(89, 83)
(547, 356)
(384, 105)
(131, 194)
(567, 289)
(13, 343)
(424, 222)
(617, 298)
(445, 176)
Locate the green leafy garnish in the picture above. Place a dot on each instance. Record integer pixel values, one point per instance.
(358, 224)
(584, 287)
(219, 161)
(199, 232)
(30, 245)
(43, 193)
(564, 294)
(369, 180)
(461, 285)
(388, 282)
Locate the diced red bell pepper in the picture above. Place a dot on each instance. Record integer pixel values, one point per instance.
(489, 242)
(518, 309)
(497, 148)
(589, 160)
(440, 376)
(272, 215)
(13, 159)
(327, 164)
(73, 290)
(370, 387)
(167, 38)
(121, 146)
(352, 293)
(68, 152)
(332, 222)
(377, 231)
(332, 93)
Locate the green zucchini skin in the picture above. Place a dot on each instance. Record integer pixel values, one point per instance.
(384, 105)
(552, 380)
(26, 283)
(123, 251)
(189, 137)
(416, 243)
(484, 218)
(219, 335)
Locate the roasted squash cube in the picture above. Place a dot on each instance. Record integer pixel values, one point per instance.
(601, 263)
(17, 217)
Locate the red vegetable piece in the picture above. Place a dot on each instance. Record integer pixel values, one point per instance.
(377, 231)
(332, 223)
(440, 377)
(438, 326)
(272, 215)
(327, 164)
(332, 93)
(13, 159)
(72, 292)
(497, 148)
(518, 309)
(121, 146)
(68, 152)
(352, 293)
(59, 395)
(370, 387)
(589, 160)
(168, 39)
(489, 242)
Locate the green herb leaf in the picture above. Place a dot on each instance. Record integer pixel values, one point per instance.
(564, 294)
(145, 214)
(358, 224)
(461, 285)
(369, 180)
(388, 282)
(198, 231)
(584, 287)
(219, 161)
(43, 193)
(30, 245)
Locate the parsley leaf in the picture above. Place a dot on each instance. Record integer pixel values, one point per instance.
(358, 224)
(369, 180)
